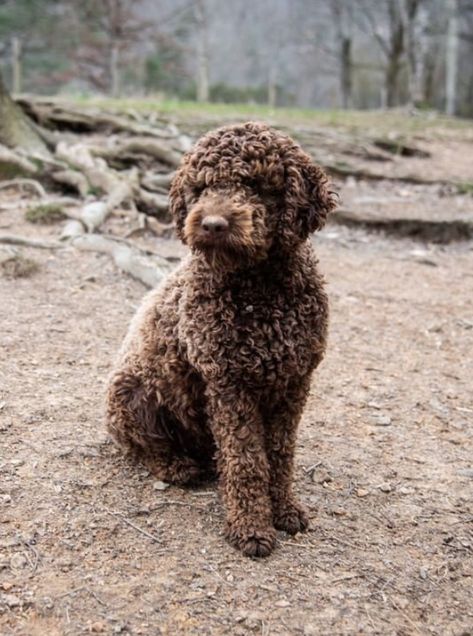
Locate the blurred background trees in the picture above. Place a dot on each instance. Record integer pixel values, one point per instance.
(308, 53)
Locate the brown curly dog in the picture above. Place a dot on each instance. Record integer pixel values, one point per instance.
(215, 370)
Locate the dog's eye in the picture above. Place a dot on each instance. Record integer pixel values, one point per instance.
(255, 185)
(196, 193)
(192, 195)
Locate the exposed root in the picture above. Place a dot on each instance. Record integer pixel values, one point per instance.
(437, 231)
(157, 182)
(29, 184)
(13, 239)
(72, 179)
(148, 268)
(13, 165)
(152, 203)
(140, 145)
(54, 114)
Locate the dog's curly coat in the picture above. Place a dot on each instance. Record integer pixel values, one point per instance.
(215, 369)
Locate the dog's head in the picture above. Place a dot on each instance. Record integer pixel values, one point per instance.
(246, 189)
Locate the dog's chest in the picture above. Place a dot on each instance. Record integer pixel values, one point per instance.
(256, 335)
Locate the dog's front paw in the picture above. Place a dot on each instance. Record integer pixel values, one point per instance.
(291, 517)
(251, 541)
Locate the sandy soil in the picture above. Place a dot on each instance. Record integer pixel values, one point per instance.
(91, 544)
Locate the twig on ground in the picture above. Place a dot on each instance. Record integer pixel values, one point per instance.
(342, 542)
(369, 618)
(311, 468)
(349, 577)
(122, 517)
(34, 565)
(71, 592)
(82, 588)
(96, 597)
(404, 615)
(304, 546)
(172, 502)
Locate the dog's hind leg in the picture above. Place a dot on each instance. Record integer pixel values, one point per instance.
(146, 429)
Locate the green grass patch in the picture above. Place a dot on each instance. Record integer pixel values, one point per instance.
(465, 187)
(46, 214)
(363, 121)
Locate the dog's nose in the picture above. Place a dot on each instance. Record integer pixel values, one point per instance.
(214, 224)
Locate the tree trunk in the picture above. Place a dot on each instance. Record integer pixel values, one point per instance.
(16, 65)
(392, 81)
(16, 130)
(396, 52)
(428, 80)
(114, 71)
(343, 17)
(451, 58)
(272, 86)
(409, 10)
(202, 53)
(419, 45)
(346, 79)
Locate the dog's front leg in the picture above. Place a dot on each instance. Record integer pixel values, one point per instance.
(282, 420)
(243, 470)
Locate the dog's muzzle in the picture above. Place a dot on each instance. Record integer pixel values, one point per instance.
(213, 229)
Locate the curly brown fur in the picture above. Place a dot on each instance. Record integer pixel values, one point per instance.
(215, 370)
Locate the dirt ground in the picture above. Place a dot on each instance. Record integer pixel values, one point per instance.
(91, 544)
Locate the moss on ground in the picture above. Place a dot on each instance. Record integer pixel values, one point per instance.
(465, 187)
(18, 266)
(45, 214)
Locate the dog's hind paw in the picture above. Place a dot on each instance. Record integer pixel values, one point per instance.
(291, 517)
(181, 471)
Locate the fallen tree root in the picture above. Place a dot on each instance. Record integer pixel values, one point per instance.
(30, 184)
(157, 182)
(140, 145)
(436, 231)
(148, 268)
(12, 165)
(152, 203)
(71, 229)
(60, 115)
(344, 170)
(397, 146)
(79, 164)
(73, 179)
(95, 170)
(13, 239)
(94, 214)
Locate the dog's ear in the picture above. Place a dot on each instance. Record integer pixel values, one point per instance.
(309, 198)
(179, 199)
